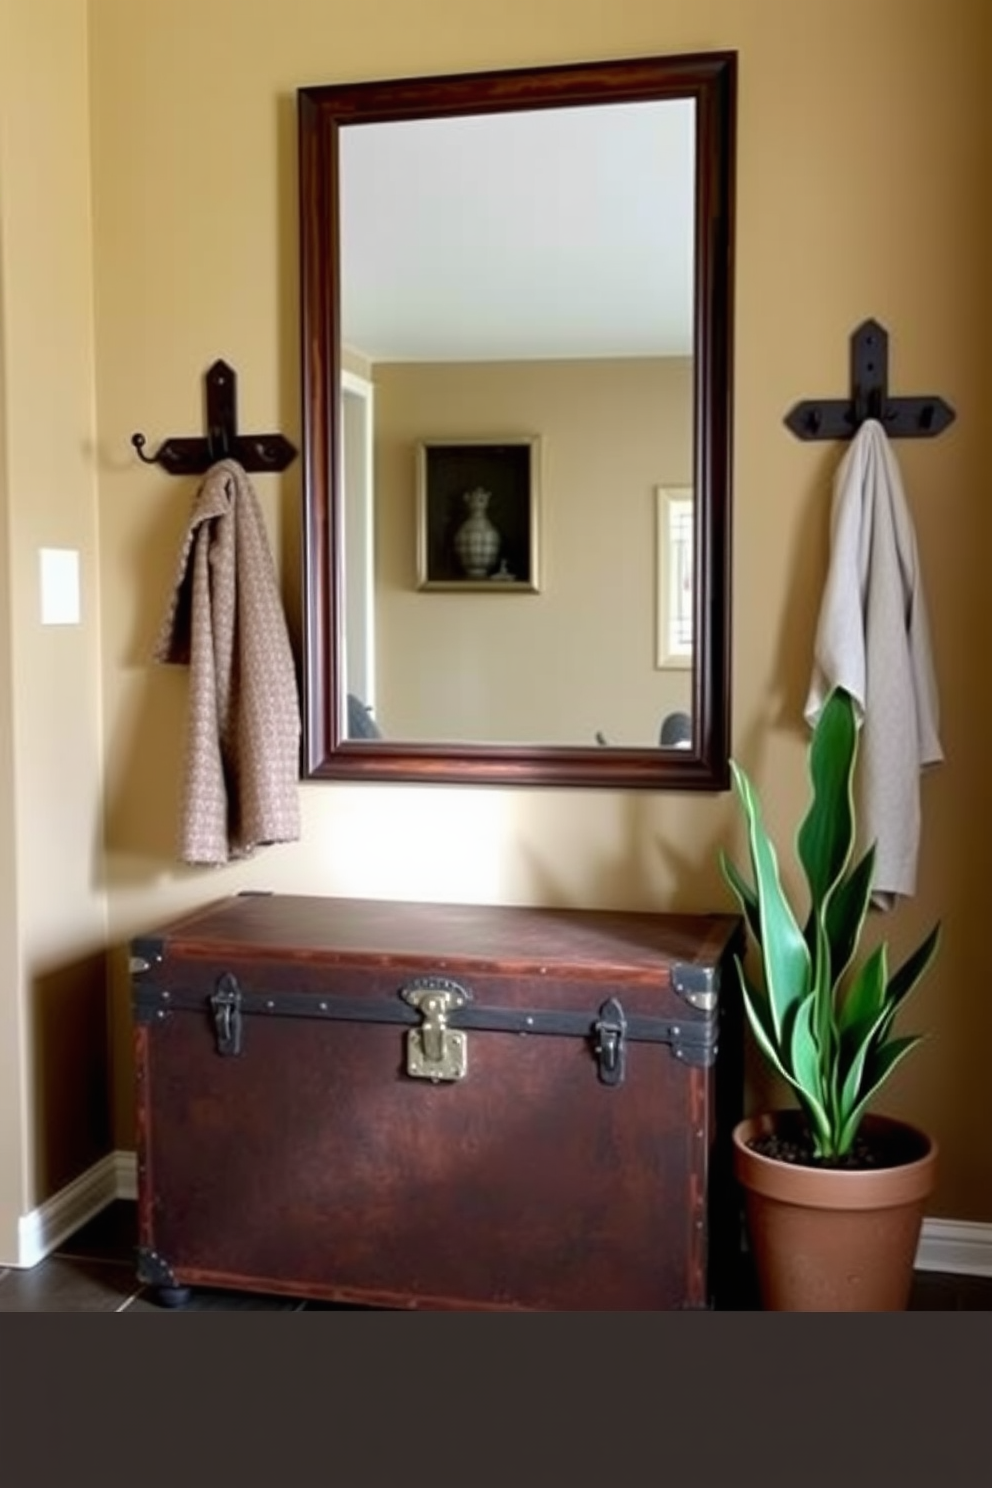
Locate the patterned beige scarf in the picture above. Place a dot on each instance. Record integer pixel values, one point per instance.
(226, 622)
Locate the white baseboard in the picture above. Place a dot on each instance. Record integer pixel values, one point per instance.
(955, 1246)
(951, 1245)
(43, 1229)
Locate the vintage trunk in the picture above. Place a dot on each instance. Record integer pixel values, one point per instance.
(448, 1107)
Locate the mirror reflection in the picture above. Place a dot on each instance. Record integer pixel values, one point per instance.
(517, 303)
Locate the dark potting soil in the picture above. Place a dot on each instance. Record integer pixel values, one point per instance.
(879, 1149)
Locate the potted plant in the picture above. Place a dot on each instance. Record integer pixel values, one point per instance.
(833, 1193)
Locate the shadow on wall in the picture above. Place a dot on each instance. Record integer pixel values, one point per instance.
(144, 754)
(667, 870)
(70, 1038)
(143, 791)
(806, 565)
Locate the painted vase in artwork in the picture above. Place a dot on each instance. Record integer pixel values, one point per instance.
(477, 541)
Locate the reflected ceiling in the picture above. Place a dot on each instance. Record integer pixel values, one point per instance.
(533, 235)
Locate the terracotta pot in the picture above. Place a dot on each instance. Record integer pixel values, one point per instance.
(834, 1239)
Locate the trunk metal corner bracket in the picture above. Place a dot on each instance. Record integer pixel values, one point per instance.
(699, 986)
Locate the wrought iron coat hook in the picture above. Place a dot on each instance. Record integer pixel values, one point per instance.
(222, 441)
(217, 442)
(902, 418)
(138, 440)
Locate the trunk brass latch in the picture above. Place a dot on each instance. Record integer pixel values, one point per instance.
(434, 1051)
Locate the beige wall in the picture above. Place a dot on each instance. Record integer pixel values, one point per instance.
(578, 657)
(54, 1112)
(863, 190)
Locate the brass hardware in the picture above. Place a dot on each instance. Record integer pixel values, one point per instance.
(434, 1051)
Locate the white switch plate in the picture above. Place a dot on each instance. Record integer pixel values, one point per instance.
(59, 586)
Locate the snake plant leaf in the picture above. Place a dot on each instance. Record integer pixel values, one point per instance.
(823, 1020)
(820, 1021)
(818, 1119)
(878, 1071)
(860, 1037)
(784, 950)
(846, 911)
(826, 837)
(758, 996)
(807, 1075)
(824, 1026)
(759, 1017)
(907, 978)
(866, 995)
(910, 972)
(745, 895)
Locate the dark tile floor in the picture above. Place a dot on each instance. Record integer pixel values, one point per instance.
(93, 1271)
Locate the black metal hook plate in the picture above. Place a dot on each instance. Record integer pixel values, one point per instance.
(902, 418)
(222, 441)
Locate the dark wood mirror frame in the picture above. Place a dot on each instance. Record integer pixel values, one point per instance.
(710, 80)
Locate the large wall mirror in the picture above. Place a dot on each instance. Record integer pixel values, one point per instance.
(516, 326)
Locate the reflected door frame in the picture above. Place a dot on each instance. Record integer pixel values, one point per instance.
(358, 538)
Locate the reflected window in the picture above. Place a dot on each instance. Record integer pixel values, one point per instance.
(674, 576)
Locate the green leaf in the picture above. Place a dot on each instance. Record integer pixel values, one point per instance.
(865, 996)
(907, 978)
(784, 950)
(818, 1121)
(759, 1017)
(867, 1033)
(912, 969)
(808, 1075)
(805, 1055)
(746, 896)
(826, 836)
(878, 1072)
(834, 1048)
(846, 912)
(757, 995)
(823, 1010)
